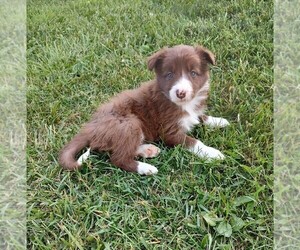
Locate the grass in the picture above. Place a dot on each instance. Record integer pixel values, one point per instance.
(12, 125)
(286, 127)
(80, 53)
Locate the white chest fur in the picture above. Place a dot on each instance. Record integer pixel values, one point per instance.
(189, 121)
(193, 112)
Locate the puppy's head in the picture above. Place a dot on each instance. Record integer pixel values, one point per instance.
(181, 71)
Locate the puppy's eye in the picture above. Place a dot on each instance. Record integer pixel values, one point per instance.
(170, 75)
(194, 73)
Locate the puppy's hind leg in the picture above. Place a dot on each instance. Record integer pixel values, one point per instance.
(148, 151)
(126, 143)
(131, 165)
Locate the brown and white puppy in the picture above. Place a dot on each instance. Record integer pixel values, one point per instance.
(162, 109)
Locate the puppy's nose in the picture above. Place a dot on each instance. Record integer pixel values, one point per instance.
(180, 93)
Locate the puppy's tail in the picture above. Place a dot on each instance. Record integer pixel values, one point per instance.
(67, 156)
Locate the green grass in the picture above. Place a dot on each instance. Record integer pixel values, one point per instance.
(12, 125)
(286, 126)
(80, 53)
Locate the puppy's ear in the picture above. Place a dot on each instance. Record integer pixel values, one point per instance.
(206, 54)
(156, 59)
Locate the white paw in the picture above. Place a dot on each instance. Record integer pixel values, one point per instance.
(216, 122)
(148, 151)
(206, 152)
(146, 169)
(212, 153)
(84, 157)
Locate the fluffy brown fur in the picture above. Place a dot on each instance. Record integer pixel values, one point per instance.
(145, 113)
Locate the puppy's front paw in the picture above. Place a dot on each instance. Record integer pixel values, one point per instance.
(204, 151)
(146, 169)
(216, 122)
(212, 153)
(223, 123)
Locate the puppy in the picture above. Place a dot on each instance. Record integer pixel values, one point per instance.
(162, 109)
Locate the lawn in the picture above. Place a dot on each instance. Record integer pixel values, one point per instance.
(79, 54)
(286, 126)
(12, 124)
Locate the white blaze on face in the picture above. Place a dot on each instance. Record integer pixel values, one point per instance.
(183, 85)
